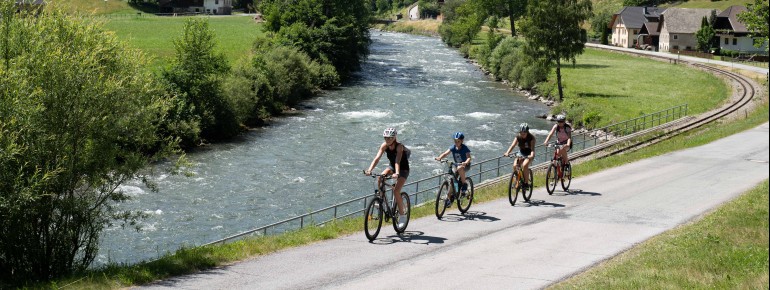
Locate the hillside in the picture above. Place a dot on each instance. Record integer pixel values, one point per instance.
(102, 7)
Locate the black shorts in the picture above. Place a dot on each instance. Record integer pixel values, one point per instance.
(404, 173)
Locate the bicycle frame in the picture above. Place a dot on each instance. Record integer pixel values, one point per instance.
(380, 184)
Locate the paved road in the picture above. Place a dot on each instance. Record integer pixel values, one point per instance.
(523, 247)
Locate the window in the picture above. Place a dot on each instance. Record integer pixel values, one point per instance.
(735, 41)
(636, 31)
(216, 2)
(676, 37)
(727, 40)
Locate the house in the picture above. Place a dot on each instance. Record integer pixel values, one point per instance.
(733, 35)
(216, 7)
(678, 27)
(627, 25)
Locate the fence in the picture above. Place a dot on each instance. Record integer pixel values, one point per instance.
(486, 172)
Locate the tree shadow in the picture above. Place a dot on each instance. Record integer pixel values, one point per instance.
(469, 216)
(414, 237)
(598, 95)
(145, 7)
(591, 66)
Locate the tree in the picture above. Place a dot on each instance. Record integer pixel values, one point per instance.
(756, 20)
(462, 21)
(513, 9)
(79, 116)
(553, 31)
(705, 35)
(197, 73)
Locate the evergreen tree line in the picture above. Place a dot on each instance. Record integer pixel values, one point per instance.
(80, 115)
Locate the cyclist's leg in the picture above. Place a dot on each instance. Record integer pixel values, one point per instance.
(525, 167)
(563, 153)
(387, 171)
(397, 190)
(461, 172)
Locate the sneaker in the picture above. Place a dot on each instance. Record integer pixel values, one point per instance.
(464, 188)
(448, 202)
(401, 221)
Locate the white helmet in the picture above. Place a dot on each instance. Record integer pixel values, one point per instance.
(560, 118)
(389, 132)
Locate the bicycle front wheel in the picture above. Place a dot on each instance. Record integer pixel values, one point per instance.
(373, 218)
(407, 212)
(513, 188)
(527, 192)
(441, 197)
(567, 177)
(551, 178)
(465, 200)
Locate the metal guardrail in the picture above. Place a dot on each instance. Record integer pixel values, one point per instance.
(486, 171)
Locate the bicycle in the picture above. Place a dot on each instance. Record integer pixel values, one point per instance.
(557, 172)
(378, 208)
(449, 190)
(517, 179)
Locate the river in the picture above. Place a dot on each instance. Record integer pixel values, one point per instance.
(313, 158)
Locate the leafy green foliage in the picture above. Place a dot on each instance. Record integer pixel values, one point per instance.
(705, 35)
(510, 62)
(429, 8)
(331, 32)
(197, 74)
(553, 31)
(756, 20)
(79, 116)
(462, 21)
(512, 9)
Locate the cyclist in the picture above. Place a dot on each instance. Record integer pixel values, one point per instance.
(526, 142)
(462, 157)
(398, 156)
(563, 138)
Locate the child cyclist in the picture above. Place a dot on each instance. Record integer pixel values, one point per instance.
(462, 158)
(398, 169)
(563, 138)
(526, 142)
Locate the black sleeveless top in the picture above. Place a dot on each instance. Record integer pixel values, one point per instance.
(524, 147)
(392, 156)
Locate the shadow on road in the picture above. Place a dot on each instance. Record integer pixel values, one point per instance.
(469, 216)
(575, 192)
(539, 202)
(414, 237)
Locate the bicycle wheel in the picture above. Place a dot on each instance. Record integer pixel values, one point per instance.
(373, 218)
(464, 201)
(407, 213)
(527, 192)
(567, 177)
(441, 197)
(513, 188)
(551, 179)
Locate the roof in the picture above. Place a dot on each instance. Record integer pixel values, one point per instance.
(683, 20)
(728, 19)
(650, 28)
(635, 17)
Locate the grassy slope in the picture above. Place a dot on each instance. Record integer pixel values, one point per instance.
(234, 35)
(97, 7)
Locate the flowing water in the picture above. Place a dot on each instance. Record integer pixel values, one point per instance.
(313, 158)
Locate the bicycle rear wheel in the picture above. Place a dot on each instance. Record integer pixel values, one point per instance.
(527, 192)
(441, 197)
(465, 200)
(567, 177)
(551, 178)
(513, 188)
(373, 218)
(407, 213)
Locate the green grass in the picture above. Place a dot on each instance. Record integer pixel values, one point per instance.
(97, 7)
(234, 35)
(727, 249)
(621, 87)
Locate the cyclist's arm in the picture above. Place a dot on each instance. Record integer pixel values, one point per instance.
(377, 158)
(513, 144)
(550, 134)
(443, 155)
(468, 160)
(399, 155)
(532, 145)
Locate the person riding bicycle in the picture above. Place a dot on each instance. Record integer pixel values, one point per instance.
(563, 138)
(526, 143)
(398, 156)
(462, 158)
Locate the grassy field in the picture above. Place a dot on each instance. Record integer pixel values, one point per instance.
(97, 7)
(234, 34)
(621, 87)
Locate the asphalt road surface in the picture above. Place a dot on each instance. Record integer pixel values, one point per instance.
(528, 246)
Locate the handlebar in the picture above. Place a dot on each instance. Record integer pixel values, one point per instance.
(375, 175)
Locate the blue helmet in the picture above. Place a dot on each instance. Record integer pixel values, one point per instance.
(459, 135)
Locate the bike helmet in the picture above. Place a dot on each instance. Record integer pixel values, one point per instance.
(560, 118)
(524, 127)
(459, 135)
(389, 132)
